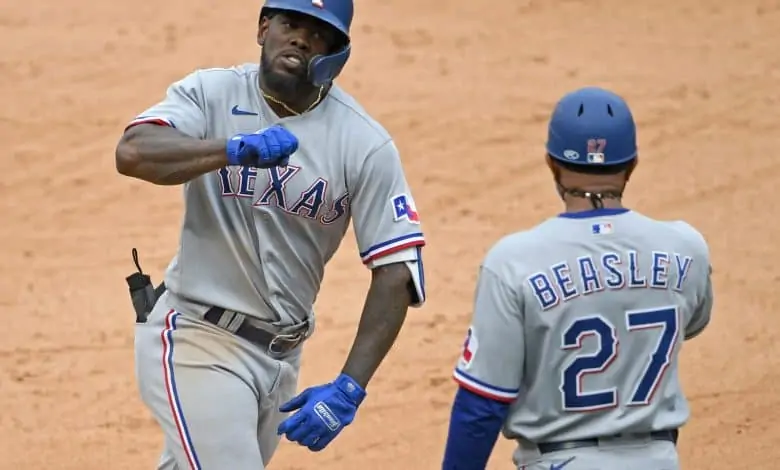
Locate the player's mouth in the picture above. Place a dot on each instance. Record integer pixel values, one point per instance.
(292, 61)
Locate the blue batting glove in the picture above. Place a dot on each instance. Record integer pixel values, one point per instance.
(324, 411)
(264, 149)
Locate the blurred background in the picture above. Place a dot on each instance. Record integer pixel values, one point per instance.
(465, 87)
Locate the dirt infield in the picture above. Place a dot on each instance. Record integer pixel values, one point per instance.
(467, 104)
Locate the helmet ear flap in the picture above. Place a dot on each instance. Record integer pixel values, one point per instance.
(323, 69)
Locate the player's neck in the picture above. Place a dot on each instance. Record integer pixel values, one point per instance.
(293, 101)
(578, 204)
(294, 107)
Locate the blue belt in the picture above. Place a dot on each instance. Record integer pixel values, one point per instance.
(547, 447)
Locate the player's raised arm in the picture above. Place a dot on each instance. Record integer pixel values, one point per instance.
(165, 156)
(168, 144)
(165, 144)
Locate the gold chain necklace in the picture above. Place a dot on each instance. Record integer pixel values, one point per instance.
(290, 110)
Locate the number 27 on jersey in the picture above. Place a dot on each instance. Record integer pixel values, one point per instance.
(664, 320)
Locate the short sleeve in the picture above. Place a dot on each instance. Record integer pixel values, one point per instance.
(701, 274)
(492, 356)
(384, 215)
(703, 312)
(182, 108)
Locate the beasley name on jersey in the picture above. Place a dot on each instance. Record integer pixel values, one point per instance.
(610, 270)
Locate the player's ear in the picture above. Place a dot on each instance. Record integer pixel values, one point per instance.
(551, 165)
(631, 167)
(262, 29)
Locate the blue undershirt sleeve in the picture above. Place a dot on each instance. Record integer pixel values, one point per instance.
(475, 424)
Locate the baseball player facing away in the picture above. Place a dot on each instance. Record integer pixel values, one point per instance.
(275, 160)
(578, 322)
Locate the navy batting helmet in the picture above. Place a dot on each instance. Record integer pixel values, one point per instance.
(337, 13)
(592, 126)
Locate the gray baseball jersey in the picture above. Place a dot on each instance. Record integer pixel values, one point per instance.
(578, 323)
(256, 241)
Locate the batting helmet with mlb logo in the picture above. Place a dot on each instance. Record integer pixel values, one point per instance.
(592, 126)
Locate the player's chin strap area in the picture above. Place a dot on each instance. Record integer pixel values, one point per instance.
(596, 198)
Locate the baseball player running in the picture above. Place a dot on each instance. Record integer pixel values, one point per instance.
(578, 322)
(275, 161)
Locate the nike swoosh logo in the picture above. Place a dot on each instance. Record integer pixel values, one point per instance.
(241, 112)
(562, 464)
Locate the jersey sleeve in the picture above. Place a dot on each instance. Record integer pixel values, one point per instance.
(701, 316)
(703, 293)
(491, 361)
(183, 108)
(384, 215)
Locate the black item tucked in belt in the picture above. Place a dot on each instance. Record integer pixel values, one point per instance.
(275, 344)
(547, 447)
